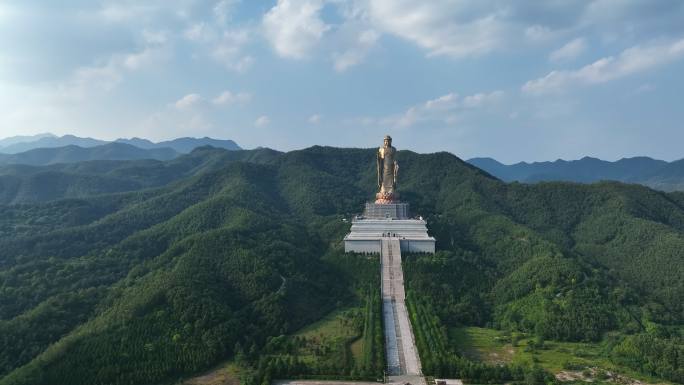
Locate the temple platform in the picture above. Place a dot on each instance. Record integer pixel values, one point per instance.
(398, 210)
(382, 221)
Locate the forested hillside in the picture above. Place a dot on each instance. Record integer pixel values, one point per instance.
(30, 184)
(236, 248)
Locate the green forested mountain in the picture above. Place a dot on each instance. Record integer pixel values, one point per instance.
(148, 286)
(31, 184)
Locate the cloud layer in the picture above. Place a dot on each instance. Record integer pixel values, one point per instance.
(294, 27)
(630, 61)
(307, 71)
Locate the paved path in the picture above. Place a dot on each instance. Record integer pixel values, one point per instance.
(398, 380)
(316, 382)
(402, 356)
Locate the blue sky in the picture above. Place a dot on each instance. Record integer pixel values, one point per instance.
(515, 80)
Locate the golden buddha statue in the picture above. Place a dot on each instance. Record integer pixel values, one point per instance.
(387, 173)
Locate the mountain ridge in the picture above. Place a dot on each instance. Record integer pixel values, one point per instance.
(73, 153)
(19, 144)
(659, 174)
(23, 138)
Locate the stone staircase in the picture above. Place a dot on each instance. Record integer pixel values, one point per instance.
(401, 352)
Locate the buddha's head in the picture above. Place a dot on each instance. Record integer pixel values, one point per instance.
(388, 141)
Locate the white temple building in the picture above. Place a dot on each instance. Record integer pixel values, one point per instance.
(389, 220)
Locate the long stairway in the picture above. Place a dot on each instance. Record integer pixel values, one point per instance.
(402, 356)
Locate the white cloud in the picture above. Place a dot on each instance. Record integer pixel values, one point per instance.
(154, 37)
(227, 97)
(137, 13)
(196, 32)
(466, 28)
(223, 10)
(187, 101)
(570, 50)
(262, 121)
(444, 109)
(442, 27)
(144, 58)
(478, 100)
(538, 33)
(315, 119)
(229, 50)
(116, 13)
(294, 27)
(355, 54)
(632, 60)
(443, 102)
(106, 76)
(224, 45)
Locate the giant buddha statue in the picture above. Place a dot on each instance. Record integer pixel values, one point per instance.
(387, 173)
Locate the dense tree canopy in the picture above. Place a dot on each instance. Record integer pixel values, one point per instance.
(233, 249)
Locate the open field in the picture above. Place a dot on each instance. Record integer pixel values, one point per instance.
(570, 359)
(328, 339)
(481, 344)
(331, 326)
(336, 335)
(225, 374)
(357, 349)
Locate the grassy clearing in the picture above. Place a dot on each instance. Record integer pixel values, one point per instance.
(557, 356)
(496, 347)
(331, 326)
(330, 339)
(481, 344)
(226, 373)
(357, 349)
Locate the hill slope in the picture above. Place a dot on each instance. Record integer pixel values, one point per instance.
(29, 184)
(149, 286)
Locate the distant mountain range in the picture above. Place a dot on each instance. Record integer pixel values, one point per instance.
(23, 138)
(73, 154)
(182, 145)
(19, 144)
(48, 149)
(658, 174)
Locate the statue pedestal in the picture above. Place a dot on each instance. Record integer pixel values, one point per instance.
(395, 210)
(385, 221)
(383, 198)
